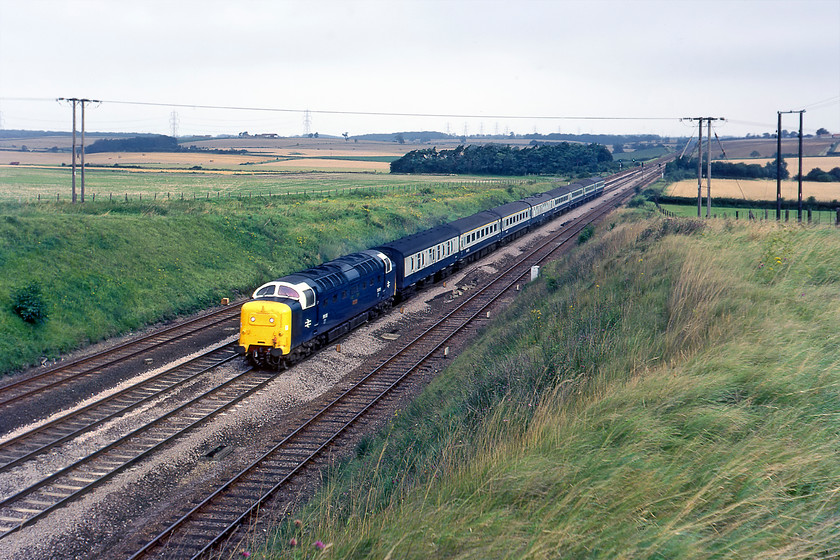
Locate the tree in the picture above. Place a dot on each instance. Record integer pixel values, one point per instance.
(618, 148)
(822, 132)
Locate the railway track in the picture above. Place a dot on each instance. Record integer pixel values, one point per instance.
(34, 502)
(92, 365)
(37, 441)
(213, 521)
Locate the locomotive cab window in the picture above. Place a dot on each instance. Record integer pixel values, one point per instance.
(266, 291)
(309, 298)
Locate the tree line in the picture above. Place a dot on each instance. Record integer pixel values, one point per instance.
(499, 159)
(149, 143)
(685, 168)
(821, 176)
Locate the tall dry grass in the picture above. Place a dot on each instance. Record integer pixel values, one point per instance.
(670, 391)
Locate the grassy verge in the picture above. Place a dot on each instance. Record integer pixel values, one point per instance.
(670, 391)
(104, 268)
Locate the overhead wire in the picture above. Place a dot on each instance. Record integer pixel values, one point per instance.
(725, 157)
(361, 113)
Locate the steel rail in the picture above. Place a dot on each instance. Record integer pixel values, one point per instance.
(121, 459)
(64, 373)
(32, 443)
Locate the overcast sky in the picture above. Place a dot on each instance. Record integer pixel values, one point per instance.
(598, 66)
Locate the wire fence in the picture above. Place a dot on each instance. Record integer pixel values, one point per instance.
(267, 194)
(809, 216)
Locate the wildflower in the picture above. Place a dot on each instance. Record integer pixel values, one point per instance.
(293, 542)
(319, 545)
(246, 554)
(298, 523)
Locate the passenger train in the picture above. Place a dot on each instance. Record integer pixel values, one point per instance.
(291, 317)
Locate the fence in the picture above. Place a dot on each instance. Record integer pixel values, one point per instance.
(266, 194)
(809, 216)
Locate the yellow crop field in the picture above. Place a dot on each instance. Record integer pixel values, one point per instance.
(825, 163)
(156, 159)
(263, 154)
(317, 164)
(757, 189)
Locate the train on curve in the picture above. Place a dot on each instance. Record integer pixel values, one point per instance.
(291, 317)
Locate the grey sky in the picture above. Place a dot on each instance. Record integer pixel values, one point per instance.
(648, 62)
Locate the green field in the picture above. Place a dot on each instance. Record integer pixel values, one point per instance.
(27, 184)
(818, 217)
(107, 267)
(671, 390)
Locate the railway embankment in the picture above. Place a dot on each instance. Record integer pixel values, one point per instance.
(670, 390)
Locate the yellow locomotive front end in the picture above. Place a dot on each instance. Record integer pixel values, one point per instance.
(265, 333)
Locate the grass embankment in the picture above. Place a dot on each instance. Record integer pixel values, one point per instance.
(104, 268)
(669, 391)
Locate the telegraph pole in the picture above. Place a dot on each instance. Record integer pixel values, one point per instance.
(779, 169)
(779, 166)
(709, 168)
(83, 148)
(74, 151)
(700, 163)
(799, 215)
(74, 101)
(700, 167)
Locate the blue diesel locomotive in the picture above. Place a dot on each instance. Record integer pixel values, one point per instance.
(289, 318)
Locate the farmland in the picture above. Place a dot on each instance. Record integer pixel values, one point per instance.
(260, 155)
(766, 147)
(756, 189)
(808, 163)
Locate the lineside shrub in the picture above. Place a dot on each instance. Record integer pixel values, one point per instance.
(28, 304)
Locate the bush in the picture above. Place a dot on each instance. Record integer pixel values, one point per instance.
(29, 304)
(586, 234)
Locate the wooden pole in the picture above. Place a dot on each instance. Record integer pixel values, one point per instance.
(700, 169)
(709, 168)
(779, 169)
